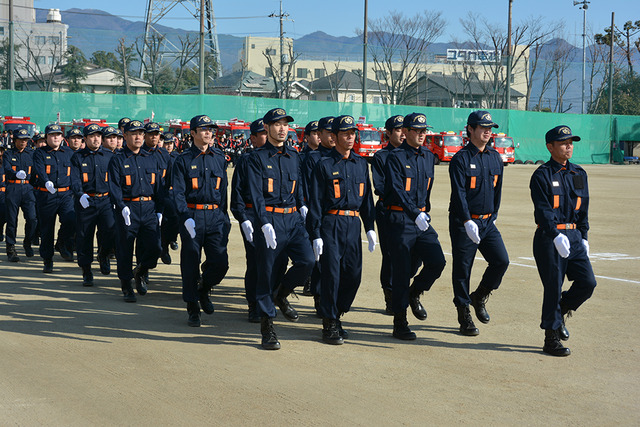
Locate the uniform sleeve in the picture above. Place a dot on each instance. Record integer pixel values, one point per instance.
(457, 177)
(582, 216)
(367, 209)
(238, 204)
(301, 200)
(542, 208)
(39, 166)
(377, 174)
(179, 188)
(316, 187)
(254, 181)
(115, 191)
(76, 180)
(8, 170)
(497, 193)
(394, 173)
(224, 200)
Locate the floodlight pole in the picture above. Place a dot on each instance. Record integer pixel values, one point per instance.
(584, 7)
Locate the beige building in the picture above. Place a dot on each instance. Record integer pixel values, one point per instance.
(465, 64)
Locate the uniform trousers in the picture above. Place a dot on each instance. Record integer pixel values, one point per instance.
(50, 205)
(143, 228)
(20, 196)
(99, 213)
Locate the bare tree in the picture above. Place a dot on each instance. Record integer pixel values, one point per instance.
(398, 45)
(282, 83)
(597, 57)
(34, 65)
(189, 49)
(151, 63)
(333, 79)
(125, 53)
(562, 56)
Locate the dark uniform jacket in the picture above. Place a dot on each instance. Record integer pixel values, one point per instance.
(90, 171)
(52, 165)
(14, 161)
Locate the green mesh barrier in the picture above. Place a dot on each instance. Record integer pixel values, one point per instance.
(526, 127)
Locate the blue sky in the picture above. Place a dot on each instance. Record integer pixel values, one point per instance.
(342, 18)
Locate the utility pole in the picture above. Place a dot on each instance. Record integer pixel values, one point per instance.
(12, 82)
(282, 16)
(509, 58)
(611, 64)
(584, 8)
(364, 55)
(201, 67)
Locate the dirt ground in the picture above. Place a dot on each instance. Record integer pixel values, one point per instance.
(81, 356)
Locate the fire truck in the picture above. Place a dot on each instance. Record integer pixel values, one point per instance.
(233, 129)
(503, 145)
(368, 140)
(444, 144)
(81, 123)
(12, 123)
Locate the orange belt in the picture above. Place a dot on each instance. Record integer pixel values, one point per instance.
(201, 206)
(137, 199)
(2, 189)
(399, 208)
(485, 216)
(566, 226)
(97, 194)
(343, 213)
(61, 189)
(248, 205)
(17, 181)
(280, 210)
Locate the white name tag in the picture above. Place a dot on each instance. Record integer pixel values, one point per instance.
(472, 166)
(556, 184)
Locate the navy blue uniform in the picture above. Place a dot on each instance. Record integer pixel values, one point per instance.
(408, 180)
(55, 166)
(340, 193)
(135, 181)
(199, 181)
(2, 207)
(170, 226)
(476, 189)
(560, 197)
(377, 174)
(18, 193)
(274, 185)
(90, 176)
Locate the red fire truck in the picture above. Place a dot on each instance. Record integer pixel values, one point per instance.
(233, 129)
(503, 145)
(368, 140)
(12, 123)
(81, 123)
(444, 144)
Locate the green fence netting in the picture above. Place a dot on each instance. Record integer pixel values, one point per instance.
(526, 127)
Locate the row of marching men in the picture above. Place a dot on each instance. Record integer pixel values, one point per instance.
(305, 208)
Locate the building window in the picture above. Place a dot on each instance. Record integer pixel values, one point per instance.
(271, 52)
(377, 100)
(54, 39)
(50, 60)
(41, 60)
(267, 72)
(253, 45)
(40, 40)
(437, 73)
(351, 98)
(302, 73)
(381, 75)
(1, 31)
(318, 73)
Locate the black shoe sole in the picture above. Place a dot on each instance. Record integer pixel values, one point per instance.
(331, 341)
(271, 346)
(470, 333)
(564, 353)
(405, 337)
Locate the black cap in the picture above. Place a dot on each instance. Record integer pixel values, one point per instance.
(21, 134)
(91, 129)
(310, 127)
(123, 121)
(119, 133)
(109, 131)
(415, 121)
(74, 132)
(133, 125)
(52, 128)
(481, 118)
(166, 136)
(257, 126)
(325, 123)
(343, 123)
(201, 121)
(151, 127)
(394, 122)
(560, 133)
(38, 136)
(276, 114)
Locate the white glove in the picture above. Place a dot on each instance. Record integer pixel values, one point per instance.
(49, 186)
(586, 245)
(472, 231)
(190, 225)
(159, 215)
(269, 235)
(247, 230)
(84, 201)
(562, 245)
(373, 240)
(21, 175)
(422, 222)
(126, 214)
(317, 248)
(303, 211)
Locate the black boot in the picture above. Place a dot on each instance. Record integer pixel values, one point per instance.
(253, 313)
(330, 332)
(48, 266)
(194, 314)
(165, 256)
(205, 302)
(306, 288)
(11, 253)
(87, 276)
(28, 250)
(401, 327)
(127, 290)
(105, 264)
(269, 337)
(566, 313)
(140, 277)
(414, 302)
(65, 253)
(287, 310)
(388, 307)
(343, 332)
(467, 327)
(316, 306)
(174, 246)
(553, 345)
(478, 301)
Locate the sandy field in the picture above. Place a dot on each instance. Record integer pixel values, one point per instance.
(74, 356)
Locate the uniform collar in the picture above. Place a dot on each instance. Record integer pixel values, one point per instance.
(335, 155)
(417, 151)
(197, 152)
(127, 152)
(61, 149)
(557, 167)
(273, 150)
